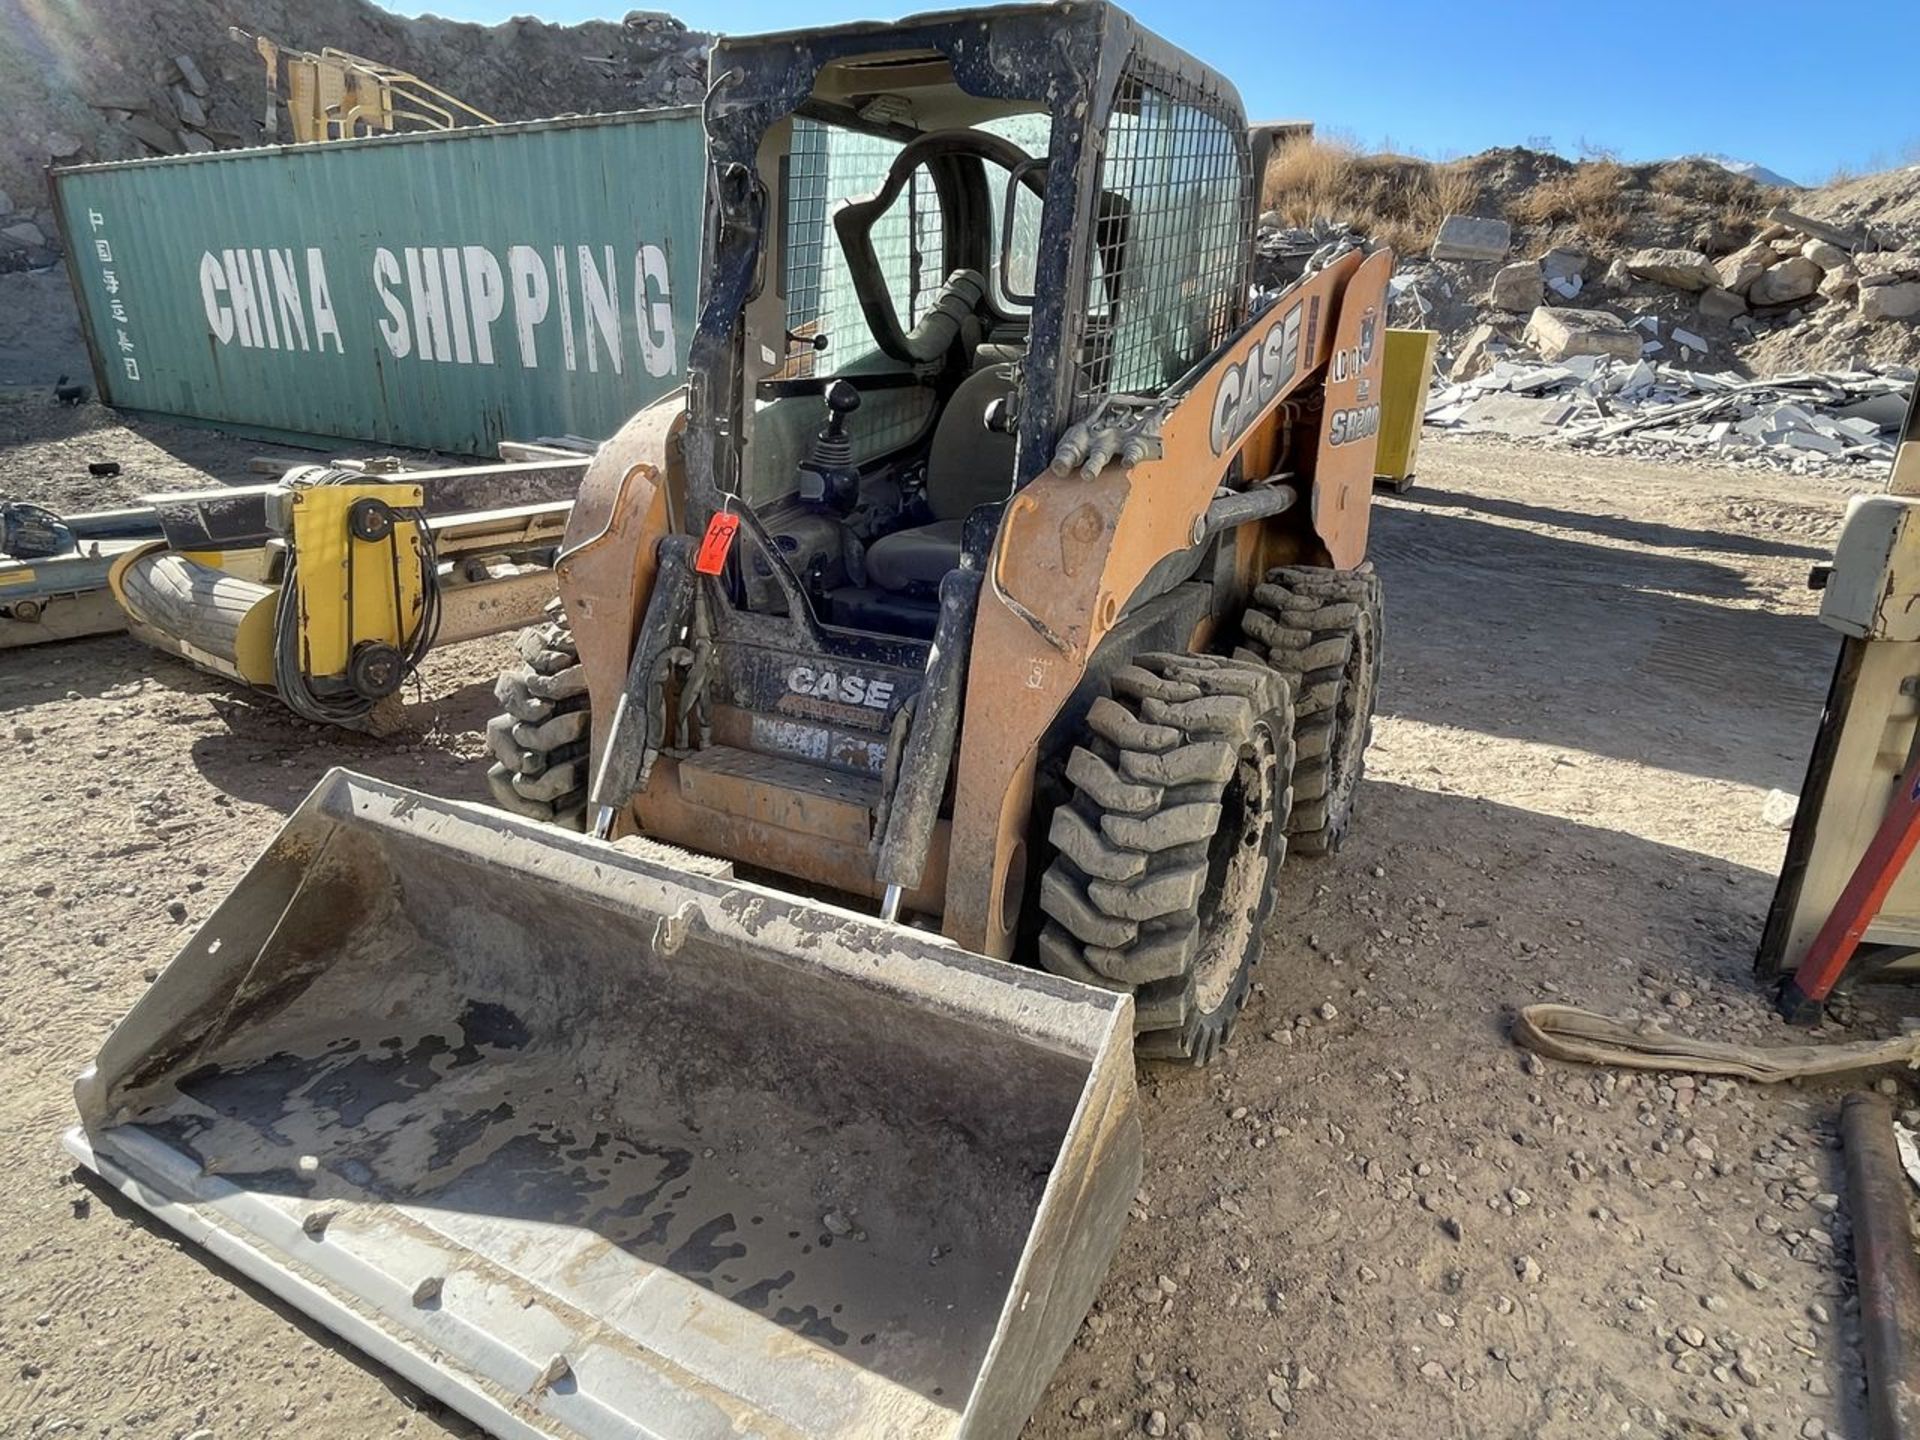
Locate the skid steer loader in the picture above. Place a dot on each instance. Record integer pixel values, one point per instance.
(942, 678)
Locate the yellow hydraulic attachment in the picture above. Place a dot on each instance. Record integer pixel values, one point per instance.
(364, 593)
(330, 589)
(334, 95)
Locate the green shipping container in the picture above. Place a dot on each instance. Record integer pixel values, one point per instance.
(444, 291)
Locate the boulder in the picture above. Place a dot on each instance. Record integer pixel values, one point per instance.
(1827, 256)
(24, 235)
(1472, 237)
(187, 106)
(1518, 287)
(1563, 262)
(1719, 303)
(62, 145)
(152, 134)
(194, 143)
(1478, 350)
(1560, 334)
(128, 100)
(1898, 301)
(1782, 284)
(1682, 269)
(1739, 270)
(1840, 284)
(190, 72)
(1618, 278)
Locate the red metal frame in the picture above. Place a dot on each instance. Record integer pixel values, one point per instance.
(1826, 960)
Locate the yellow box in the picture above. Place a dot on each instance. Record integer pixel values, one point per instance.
(1405, 379)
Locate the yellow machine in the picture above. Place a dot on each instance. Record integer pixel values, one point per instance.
(330, 587)
(996, 597)
(333, 95)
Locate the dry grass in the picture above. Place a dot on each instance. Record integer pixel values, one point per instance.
(1395, 199)
(1739, 203)
(1401, 200)
(1591, 197)
(1742, 214)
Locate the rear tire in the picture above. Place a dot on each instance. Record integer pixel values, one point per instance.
(539, 744)
(1322, 630)
(1167, 850)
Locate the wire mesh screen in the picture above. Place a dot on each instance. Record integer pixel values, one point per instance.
(825, 166)
(1168, 273)
(806, 222)
(927, 242)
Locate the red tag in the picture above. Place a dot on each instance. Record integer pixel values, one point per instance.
(712, 558)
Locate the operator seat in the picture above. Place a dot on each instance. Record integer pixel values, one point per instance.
(968, 465)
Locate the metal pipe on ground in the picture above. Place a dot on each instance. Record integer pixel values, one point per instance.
(1884, 1261)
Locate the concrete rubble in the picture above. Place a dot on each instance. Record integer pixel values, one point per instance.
(1472, 237)
(1564, 270)
(1519, 287)
(1573, 382)
(1653, 348)
(1682, 269)
(1562, 334)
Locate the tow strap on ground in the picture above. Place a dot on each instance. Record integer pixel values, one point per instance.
(1565, 1032)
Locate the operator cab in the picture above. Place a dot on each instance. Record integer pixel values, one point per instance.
(933, 249)
(883, 346)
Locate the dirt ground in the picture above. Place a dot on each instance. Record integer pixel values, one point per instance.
(1374, 1218)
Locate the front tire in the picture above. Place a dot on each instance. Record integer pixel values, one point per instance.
(1322, 630)
(539, 744)
(1167, 851)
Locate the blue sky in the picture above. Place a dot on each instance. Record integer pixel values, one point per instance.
(1802, 89)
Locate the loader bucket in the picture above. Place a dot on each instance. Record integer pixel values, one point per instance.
(586, 1144)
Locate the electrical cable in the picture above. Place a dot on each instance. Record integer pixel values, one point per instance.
(290, 679)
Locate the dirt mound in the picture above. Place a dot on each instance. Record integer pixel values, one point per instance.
(1887, 204)
(1588, 228)
(1597, 204)
(121, 79)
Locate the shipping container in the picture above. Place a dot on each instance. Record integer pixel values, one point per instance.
(443, 291)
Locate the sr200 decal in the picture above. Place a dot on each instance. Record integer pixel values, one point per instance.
(1247, 386)
(1349, 425)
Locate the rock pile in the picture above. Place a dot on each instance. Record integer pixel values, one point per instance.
(126, 79)
(1651, 351)
(1773, 280)
(1792, 264)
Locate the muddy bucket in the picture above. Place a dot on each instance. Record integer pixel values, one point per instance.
(586, 1144)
